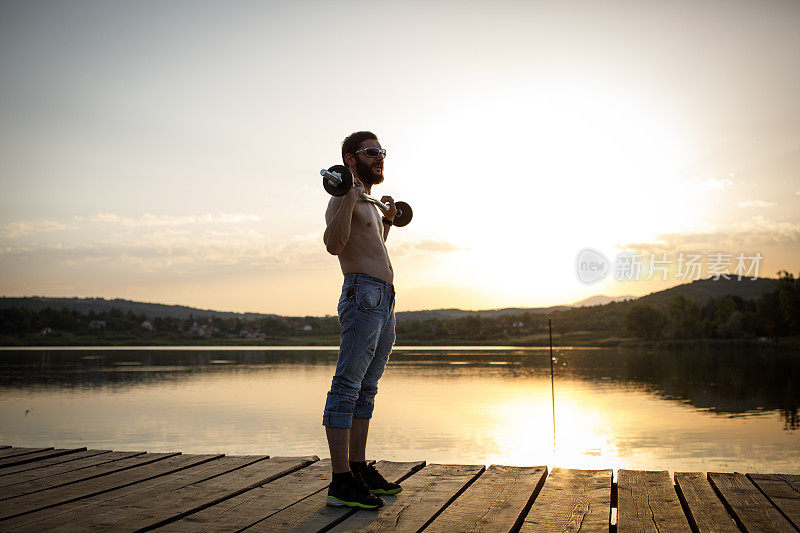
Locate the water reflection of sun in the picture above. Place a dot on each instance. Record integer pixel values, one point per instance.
(524, 433)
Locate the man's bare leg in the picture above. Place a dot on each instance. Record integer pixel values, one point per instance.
(358, 439)
(338, 439)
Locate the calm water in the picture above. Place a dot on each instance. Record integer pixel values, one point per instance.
(692, 410)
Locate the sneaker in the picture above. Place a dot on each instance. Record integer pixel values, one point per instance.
(352, 494)
(376, 482)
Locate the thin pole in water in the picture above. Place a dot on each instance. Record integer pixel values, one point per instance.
(552, 383)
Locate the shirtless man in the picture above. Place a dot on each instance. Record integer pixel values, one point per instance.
(355, 232)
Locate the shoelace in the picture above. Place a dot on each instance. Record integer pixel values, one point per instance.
(372, 474)
(360, 486)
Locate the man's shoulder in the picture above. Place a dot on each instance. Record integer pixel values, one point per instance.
(333, 205)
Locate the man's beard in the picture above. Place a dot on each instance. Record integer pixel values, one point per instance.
(366, 174)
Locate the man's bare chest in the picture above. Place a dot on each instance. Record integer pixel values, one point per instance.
(366, 219)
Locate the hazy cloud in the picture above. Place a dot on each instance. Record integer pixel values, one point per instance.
(713, 184)
(178, 249)
(424, 247)
(756, 203)
(151, 220)
(436, 246)
(22, 228)
(747, 235)
(28, 227)
(161, 242)
(154, 256)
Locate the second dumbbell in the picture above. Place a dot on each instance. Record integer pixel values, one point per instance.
(338, 179)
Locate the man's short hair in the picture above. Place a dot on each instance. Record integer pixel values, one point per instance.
(354, 140)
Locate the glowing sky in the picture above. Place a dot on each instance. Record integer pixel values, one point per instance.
(169, 151)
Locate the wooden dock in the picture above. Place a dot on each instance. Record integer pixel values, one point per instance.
(46, 489)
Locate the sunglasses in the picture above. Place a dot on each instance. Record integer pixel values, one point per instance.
(372, 152)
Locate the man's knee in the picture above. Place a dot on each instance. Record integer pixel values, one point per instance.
(345, 387)
(365, 405)
(333, 419)
(341, 403)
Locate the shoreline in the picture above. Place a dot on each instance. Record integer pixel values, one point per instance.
(330, 344)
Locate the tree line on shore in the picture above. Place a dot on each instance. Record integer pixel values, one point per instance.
(17, 321)
(774, 314)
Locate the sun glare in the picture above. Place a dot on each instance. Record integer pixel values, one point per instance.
(525, 428)
(548, 171)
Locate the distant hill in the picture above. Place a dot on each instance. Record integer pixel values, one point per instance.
(701, 290)
(704, 290)
(84, 305)
(444, 314)
(602, 299)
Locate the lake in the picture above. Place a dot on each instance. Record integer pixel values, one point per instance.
(691, 410)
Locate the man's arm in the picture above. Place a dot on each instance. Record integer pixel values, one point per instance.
(388, 215)
(386, 228)
(338, 217)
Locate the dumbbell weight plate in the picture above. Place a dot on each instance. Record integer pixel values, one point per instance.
(344, 186)
(404, 214)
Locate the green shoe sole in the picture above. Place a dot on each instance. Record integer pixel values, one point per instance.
(398, 490)
(336, 502)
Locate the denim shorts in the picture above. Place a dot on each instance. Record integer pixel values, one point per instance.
(366, 315)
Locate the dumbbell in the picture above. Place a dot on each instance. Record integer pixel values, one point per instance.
(338, 179)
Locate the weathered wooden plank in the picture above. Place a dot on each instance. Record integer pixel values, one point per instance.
(783, 490)
(261, 502)
(74, 476)
(42, 463)
(192, 498)
(571, 500)
(424, 496)
(83, 489)
(4, 446)
(7, 462)
(311, 513)
(26, 475)
(145, 510)
(496, 501)
(53, 517)
(749, 507)
(16, 452)
(647, 501)
(703, 509)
